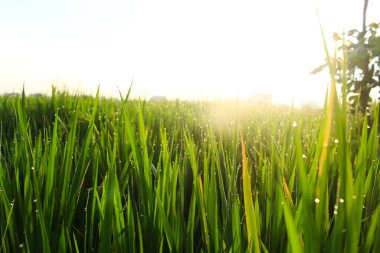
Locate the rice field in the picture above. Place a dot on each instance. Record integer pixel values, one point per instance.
(86, 174)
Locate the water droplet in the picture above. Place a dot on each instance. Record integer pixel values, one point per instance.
(32, 168)
(316, 200)
(304, 156)
(354, 196)
(35, 200)
(21, 245)
(335, 212)
(336, 141)
(294, 124)
(341, 200)
(336, 206)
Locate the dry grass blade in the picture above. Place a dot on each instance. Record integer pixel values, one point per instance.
(288, 196)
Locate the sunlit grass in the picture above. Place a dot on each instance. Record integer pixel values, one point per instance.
(87, 174)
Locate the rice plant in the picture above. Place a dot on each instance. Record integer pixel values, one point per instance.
(84, 174)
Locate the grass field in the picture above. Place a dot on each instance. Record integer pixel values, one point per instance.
(84, 174)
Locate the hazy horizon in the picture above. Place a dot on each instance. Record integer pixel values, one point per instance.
(189, 50)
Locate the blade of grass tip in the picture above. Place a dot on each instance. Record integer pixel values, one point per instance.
(108, 195)
(304, 209)
(354, 207)
(344, 178)
(23, 123)
(62, 244)
(198, 186)
(201, 202)
(50, 176)
(75, 244)
(374, 224)
(236, 226)
(45, 235)
(119, 220)
(82, 166)
(139, 232)
(373, 141)
(293, 235)
(10, 212)
(344, 75)
(91, 220)
(143, 134)
(128, 93)
(68, 155)
(212, 206)
(321, 191)
(190, 225)
(220, 181)
(165, 222)
(131, 226)
(253, 239)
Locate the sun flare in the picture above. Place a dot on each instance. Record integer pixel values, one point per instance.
(202, 50)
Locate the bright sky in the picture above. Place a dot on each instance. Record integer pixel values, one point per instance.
(194, 49)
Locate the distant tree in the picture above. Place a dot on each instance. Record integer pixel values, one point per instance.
(363, 64)
(361, 70)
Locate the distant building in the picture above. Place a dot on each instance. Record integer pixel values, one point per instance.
(265, 99)
(157, 98)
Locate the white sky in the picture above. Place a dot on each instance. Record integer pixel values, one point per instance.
(195, 49)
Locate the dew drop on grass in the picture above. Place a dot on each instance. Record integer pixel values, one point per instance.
(32, 168)
(294, 124)
(21, 245)
(341, 200)
(336, 141)
(316, 200)
(304, 156)
(336, 207)
(354, 196)
(335, 212)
